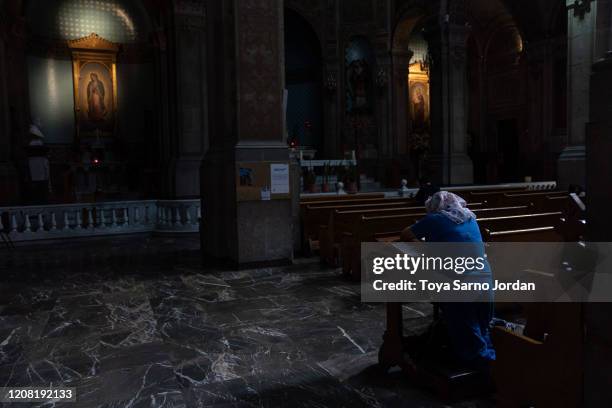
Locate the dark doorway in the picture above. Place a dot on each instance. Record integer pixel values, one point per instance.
(507, 142)
(303, 70)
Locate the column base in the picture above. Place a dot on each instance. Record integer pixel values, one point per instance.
(461, 169)
(453, 170)
(244, 232)
(571, 167)
(187, 177)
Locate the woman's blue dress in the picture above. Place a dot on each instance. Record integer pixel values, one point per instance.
(467, 323)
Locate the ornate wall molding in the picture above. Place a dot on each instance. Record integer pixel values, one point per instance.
(93, 42)
(580, 7)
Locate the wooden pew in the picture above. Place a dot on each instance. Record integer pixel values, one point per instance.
(339, 197)
(490, 196)
(342, 220)
(522, 221)
(515, 197)
(540, 200)
(312, 215)
(389, 227)
(531, 370)
(529, 365)
(539, 234)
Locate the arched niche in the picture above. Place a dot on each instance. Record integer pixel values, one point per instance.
(407, 30)
(359, 97)
(51, 25)
(131, 144)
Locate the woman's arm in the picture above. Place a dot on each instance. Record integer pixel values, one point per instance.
(408, 236)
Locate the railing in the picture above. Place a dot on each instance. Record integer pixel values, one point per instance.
(530, 186)
(31, 223)
(411, 192)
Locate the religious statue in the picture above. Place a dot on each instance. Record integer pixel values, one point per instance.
(359, 82)
(95, 99)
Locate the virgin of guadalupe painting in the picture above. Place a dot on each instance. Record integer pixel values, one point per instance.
(96, 98)
(95, 86)
(419, 105)
(96, 110)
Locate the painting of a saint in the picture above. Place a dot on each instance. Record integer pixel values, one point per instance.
(95, 103)
(419, 103)
(94, 70)
(95, 99)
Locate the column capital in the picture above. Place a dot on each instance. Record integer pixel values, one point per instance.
(580, 7)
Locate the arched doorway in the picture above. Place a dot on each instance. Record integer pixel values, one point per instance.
(303, 72)
(110, 155)
(419, 106)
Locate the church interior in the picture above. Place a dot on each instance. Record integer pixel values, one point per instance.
(186, 187)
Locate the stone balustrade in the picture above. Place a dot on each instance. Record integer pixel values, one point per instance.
(32, 223)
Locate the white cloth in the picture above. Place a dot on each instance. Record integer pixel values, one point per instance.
(449, 205)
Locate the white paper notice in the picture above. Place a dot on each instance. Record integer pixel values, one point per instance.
(265, 194)
(279, 176)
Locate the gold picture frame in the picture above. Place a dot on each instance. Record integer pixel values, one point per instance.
(94, 69)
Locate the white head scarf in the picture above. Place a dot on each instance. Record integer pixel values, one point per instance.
(449, 205)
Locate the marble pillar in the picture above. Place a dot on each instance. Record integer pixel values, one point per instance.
(246, 79)
(580, 56)
(188, 134)
(598, 331)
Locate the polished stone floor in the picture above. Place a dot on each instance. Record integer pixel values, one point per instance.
(137, 322)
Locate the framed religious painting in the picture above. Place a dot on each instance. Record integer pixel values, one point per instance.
(94, 71)
(419, 104)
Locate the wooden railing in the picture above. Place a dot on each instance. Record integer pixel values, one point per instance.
(31, 223)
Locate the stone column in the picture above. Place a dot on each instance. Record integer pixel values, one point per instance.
(189, 135)
(384, 93)
(448, 89)
(461, 167)
(14, 102)
(400, 59)
(540, 94)
(580, 57)
(8, 174)
(598, 331)
(246, 79)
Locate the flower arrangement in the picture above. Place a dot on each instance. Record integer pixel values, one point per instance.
(327, 170)
(309, 179)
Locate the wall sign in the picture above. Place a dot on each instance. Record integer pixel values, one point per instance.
(257, 181)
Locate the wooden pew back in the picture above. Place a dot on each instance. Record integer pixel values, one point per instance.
(523, 221)
(316, 214)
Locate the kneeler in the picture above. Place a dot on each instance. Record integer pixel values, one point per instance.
(543, 366)
(427, 361)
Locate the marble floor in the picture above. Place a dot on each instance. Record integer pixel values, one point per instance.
(138, 322)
